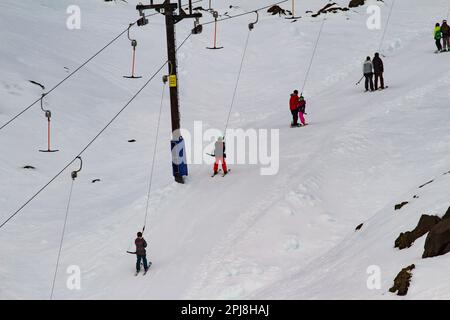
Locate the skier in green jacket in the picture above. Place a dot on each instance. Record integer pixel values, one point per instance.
(438, 37)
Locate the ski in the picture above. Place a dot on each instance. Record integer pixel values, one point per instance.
(136, 273)
(148, 267)
(225, 173)
(216, 173)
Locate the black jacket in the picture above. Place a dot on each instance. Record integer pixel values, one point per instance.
(377, 65)
(445, 29)
(141, 244)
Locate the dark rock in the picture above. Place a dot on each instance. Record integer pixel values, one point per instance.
(329, 8)
(37, 83)
(438, 240)
(132, 140)
(426, 223)
(276, 10)
(400, 205)
(402, 281)
(356, 3)
(416, 197)
(447, 214)
(28, 167)
(96, 180)
(426, 184)
(359, 227)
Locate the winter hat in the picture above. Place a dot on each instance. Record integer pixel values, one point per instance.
(295, 91)
(301, 98)
(139, 234)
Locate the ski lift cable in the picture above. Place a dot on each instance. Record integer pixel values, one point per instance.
(250, 28)
(73, 73)
(387, 24)
(92, 140)
(25, 109)
(74, 176)
(154, 154)
(183, 5)
(237, 83)
(448, 12)
(244, 13)
(65, 79)
(312, 57)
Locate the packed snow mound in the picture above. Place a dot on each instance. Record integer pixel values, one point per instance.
(289, 235)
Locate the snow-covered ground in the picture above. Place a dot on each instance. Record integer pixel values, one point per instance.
(286, 236)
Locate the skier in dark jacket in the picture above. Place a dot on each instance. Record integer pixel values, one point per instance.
(302, 110)
(141, 254)
(445, 30)
(378, 69)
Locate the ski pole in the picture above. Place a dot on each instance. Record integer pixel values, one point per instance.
(360, 80)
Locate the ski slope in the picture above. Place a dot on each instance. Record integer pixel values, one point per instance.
(286, 236)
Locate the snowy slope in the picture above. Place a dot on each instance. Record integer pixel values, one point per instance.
(285, 236)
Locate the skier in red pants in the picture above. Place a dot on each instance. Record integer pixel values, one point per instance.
(219, 154)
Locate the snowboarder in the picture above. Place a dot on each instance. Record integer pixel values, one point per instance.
(378, 69)
(438, 37)
(141, 254)
(301, 109)
(220, 155)
(368, 73)
(445, 30)
(294, 107)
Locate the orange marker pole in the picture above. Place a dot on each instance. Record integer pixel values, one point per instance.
(48, 134)
(134, 59)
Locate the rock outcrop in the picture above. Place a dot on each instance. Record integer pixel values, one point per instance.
(402, 281)
(426, 223)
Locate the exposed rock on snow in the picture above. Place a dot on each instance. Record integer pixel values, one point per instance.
(330, 7)
(356, 3)
(359, 227)
(402, 280)
(426, 184)
(438, 240)
(277, 10)
(447, 214)
(426, 223)
(400, 205)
